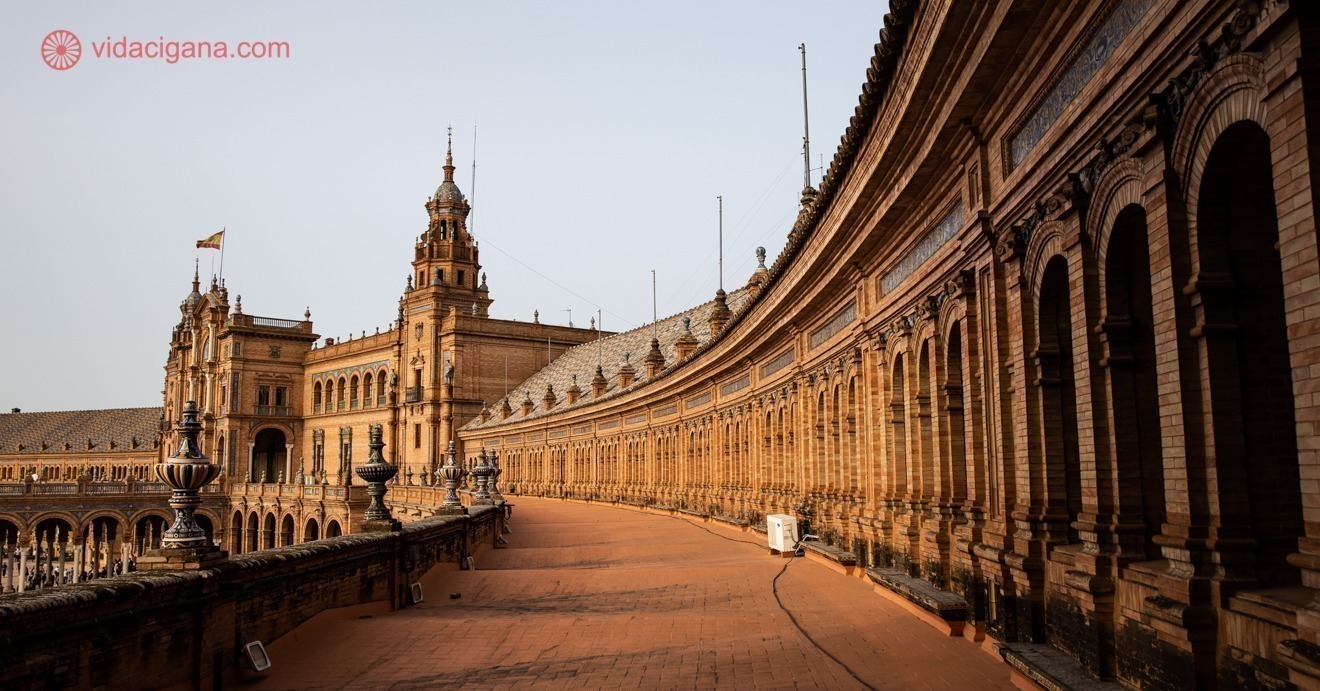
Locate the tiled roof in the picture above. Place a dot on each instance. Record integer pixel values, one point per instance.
(120, 426)
(581, 360)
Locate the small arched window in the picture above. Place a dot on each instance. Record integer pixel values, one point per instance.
(316, 398)
(366, 391)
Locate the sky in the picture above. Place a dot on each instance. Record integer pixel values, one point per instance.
(604, 133)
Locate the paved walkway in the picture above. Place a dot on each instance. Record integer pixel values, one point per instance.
(597, 597)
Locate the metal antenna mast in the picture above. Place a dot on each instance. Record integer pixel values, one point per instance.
(806, 129)
(570, 317)
(721, 199)
(472, 192)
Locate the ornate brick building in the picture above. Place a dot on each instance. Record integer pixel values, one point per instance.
(285, 414)
(1039, 352)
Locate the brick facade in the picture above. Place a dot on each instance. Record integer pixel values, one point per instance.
(1044, 339)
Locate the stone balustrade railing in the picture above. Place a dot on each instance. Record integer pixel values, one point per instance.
(93, 634)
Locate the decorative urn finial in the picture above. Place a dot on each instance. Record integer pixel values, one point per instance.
(376, 472)
(453, 474)
(186, 472)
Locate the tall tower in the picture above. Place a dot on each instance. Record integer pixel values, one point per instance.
(445, 265)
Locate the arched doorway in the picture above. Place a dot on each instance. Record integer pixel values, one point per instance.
(1058, 476)
(312, 531)
(332, 529)
(236, 533)
(147, 533)
(253, 529)
(268, 532)
(1130, 357)
(270, 456)
(286, 531)
(1246, 359)
(204, 522)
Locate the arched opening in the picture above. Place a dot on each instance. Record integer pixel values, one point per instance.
(329, 395)
(312, 531)
(236, 533)
(8, 532)
(353, 392)
(380, 388)
(52, 536)
(852, 462)
(897, 479)
(925, 463)
(1061, 475)
(955, 422)
(204, 522)
(1247, 363)
(366, 391)
(332, 529)
(147, 532)
(220, 458)
(316, 398)
(339, 393)
(252, 530)
(286, 530)
(819, 474)
(1130, 357)
(269, 455)
(268, 532)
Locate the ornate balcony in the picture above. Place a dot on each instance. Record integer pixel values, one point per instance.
(412, 394)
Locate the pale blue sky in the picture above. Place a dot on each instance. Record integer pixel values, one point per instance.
(606, 130)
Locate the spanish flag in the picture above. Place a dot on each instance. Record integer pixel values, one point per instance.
(213, 242)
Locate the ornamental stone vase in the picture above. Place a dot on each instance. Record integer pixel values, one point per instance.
(186, 472)
(376, 472)
(481, 472)
(497, 471)
(452, 474)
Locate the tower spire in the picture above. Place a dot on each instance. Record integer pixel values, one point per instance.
(449, 157)
(197, 263)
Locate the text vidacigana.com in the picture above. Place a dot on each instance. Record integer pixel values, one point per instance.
(174, 51)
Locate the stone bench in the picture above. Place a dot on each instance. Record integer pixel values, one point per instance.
(941, 609)
(740, 523)
(1041, 665)
(840, 560)
(694, 514)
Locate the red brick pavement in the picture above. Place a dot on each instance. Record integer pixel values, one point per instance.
(598, 597)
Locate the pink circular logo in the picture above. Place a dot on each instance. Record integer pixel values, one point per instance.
(61, 49)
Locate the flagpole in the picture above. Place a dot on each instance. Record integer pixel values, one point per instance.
(222, 255)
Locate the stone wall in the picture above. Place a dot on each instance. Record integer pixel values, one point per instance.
(161, 629)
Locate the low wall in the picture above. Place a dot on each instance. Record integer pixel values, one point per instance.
(187, 629)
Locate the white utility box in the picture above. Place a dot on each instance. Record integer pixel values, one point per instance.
(782, 531)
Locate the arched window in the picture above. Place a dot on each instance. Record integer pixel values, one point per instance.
(339, 401)
(353, 392)
(380, 387)
(316, 398)
(367, 400)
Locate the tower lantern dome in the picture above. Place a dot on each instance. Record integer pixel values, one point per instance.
(447, 195)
